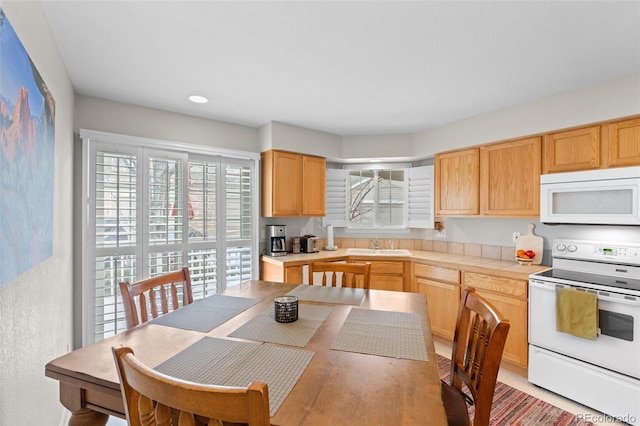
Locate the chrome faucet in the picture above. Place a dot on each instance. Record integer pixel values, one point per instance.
(391, 244)
(374, 242)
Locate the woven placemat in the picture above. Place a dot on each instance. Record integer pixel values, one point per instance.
(264, 327)
(385, 333)
(206, 314)
(337, 295)
(232, 363)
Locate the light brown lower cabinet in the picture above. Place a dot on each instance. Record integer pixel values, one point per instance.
(288, 274)
(387, 275)
(509, 297)
(441, 287)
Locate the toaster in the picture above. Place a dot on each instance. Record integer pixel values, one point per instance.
(309, 244)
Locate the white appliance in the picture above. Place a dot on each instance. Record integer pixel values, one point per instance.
(604, 373)
(606, 196)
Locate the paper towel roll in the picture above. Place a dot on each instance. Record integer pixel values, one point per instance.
(330, 236)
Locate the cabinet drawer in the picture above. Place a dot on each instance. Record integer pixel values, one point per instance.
(505, 286)
(437, 273)
(423, 282)
(387, 268)
(383, 282)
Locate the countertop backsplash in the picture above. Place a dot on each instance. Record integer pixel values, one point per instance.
(467, 249)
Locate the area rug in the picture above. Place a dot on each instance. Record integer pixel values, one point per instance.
(514, 407)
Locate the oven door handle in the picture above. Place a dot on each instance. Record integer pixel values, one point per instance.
(622, 299)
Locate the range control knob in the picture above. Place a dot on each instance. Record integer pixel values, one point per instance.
(561, 247)
(572, 248)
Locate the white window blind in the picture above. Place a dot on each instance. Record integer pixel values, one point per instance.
(420, 197)
(336, 198)
(151, 210)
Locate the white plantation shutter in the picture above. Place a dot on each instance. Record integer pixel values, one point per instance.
(420, 197)
(239, 208)
(336, 202)
(154, 206)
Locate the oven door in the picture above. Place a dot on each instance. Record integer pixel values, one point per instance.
(618, 344)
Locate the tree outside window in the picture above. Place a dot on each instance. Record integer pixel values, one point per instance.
(377, 198)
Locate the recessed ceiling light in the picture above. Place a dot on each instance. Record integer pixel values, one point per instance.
(198, 99)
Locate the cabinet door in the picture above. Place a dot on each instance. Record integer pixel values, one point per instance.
(293, 274)
(287, 185)
(458, 182)
(387, 275)
(624, 143)
(572, 150)
(443, 301)
(281, 183)
(510, 178)
(515, 310)
(313, 185)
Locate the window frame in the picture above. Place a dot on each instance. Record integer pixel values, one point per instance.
(142, 148)
(418, 198)
(376, 168)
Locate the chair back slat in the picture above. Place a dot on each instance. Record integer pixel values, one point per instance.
(153, 304)
(153, 399)
(338, 274)
(152, 297)
(174, 296)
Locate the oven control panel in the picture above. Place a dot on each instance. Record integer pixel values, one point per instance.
(627, 253)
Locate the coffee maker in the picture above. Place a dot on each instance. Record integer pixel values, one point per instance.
(275, 242)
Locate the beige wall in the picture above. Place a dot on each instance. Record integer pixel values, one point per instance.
(393, 146)
(612, 99)
(287, 137)
(126, 119)
(36, 307)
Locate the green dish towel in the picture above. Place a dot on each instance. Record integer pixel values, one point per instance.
(577, 313)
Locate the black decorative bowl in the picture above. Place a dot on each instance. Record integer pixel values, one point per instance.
(286, 308)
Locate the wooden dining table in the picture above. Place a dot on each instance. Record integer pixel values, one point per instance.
(336, 387)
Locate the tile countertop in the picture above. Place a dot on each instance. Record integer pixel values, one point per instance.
(481, 265)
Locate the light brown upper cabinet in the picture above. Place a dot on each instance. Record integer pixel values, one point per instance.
(500, 179)
(313, 185)
(572, 150)
(292, 184)
(510, 178)
(624, 143)
(614, 144)
(458, 182)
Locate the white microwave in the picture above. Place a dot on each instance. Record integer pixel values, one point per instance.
(604, 196)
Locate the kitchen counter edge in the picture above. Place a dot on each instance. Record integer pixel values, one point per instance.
(482, 265)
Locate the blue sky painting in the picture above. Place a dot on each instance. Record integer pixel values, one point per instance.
(27, 117)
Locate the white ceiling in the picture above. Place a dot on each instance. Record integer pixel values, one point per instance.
(345, 67)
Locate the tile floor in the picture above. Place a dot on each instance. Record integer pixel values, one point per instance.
(521, 383)
(516, 381)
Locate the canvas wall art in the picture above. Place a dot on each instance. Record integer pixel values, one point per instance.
(27, 112)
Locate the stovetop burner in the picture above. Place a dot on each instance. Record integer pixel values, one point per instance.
(600, 265)
(578, 278)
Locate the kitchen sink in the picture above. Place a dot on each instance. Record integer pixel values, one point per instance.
(378, 252)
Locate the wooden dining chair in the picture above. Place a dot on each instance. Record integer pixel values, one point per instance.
(153, 398)
(152, 297)
(478, 344)
(338, 274)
